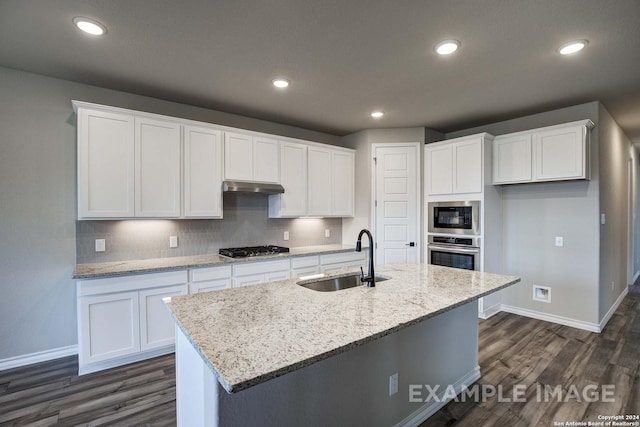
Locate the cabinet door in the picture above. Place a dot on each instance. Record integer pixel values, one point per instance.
(157, 171)
(157, 328)
(342, 175)
(293, 177)
(266, 160)
(109, 326)
(320, 181)
(202, 173)
(467, 166)
(277, 275)
(105, 165)
(238, 157)
(559, 154)
(439, 165)
(512, 159)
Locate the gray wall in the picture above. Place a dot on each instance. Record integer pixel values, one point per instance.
(534, 214)
(38, 199)
(245, 223)
(614, 199)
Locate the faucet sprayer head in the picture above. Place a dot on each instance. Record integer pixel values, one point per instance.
(358, 246)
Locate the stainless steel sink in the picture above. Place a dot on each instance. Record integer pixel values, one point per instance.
(336, 283)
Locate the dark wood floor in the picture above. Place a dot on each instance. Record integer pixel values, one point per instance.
(513, 350)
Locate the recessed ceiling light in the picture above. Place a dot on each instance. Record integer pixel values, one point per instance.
(89, 26)
(572, 47)
(280, 83)
(447, 47)
(377, 114)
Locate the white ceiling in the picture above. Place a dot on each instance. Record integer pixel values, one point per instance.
(344, 58)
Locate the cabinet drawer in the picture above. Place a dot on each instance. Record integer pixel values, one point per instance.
(125, 283)
(305, 271)
(210, 273)
(261, 267)
(307, 261)
(209, 285)
(343, 257)
(254, 279)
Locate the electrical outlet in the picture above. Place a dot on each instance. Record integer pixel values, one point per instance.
(559, 241)
(173, 241)
(393, 384)
(327, 232)
(286, 235)
(542, 293)
(603, 219)
(100, 245)
(613, 285)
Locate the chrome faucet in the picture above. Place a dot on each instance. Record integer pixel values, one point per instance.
(370, 278)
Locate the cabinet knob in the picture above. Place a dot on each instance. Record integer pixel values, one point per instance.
(412, 244)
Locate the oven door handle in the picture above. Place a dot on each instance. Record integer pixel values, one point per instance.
(455, 249)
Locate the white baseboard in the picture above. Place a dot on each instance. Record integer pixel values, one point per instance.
(428, 409)
(635, 277)
(613, 308)
(587, 326)
(40, 356)
(491, 311)
(89, 368)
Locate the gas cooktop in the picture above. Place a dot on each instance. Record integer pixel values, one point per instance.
(252, 251)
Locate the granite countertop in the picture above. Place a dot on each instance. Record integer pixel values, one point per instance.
(252, 334)
(155, 265)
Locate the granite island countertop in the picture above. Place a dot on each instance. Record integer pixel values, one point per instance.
(252, 334)
(156, 265)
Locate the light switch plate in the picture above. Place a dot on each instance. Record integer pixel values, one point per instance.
(603, 219)
(393, 384)
(327, 232)
(286, 235)
(100, 245)
(559, 241)
(173, 241)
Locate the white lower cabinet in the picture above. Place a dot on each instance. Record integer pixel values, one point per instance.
(123, 319)
(305, 266)
(109, 327)
(254, 273)
(157, 328)
(209, 279)
(332, 263)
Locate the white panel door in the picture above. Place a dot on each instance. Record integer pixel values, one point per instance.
(512, 159)
(559, 154)
(238, 157)
(158, 172)
(467, 166)
(157, 327)
(293, 177)
(320, 181)
(110, 326)
(439, 169)
(266, 159)
(397, 204)
(202, 172)
(105, 165)
(342, 174)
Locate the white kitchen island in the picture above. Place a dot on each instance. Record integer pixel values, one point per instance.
(279, 354)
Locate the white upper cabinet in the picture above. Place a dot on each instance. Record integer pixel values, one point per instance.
(342, 175)
(250, 158)
(553, 153)
(320, 181)
(293, 177)
(512, 159)
(105, 164)
(157, 168)
(454, 166)
(202, 172)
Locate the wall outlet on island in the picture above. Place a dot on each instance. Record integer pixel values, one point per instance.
(173, 241)
(393, 384)
(327, 232)
(286, 235)
(100, 245)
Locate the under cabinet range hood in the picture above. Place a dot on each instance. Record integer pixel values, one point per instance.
(251, 187)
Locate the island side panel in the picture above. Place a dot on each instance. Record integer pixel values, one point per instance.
(352, 388)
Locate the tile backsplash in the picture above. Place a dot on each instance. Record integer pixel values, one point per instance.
(246, 222)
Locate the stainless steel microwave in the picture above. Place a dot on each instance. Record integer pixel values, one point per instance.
(454, 217)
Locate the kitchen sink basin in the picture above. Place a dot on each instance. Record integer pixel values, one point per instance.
(336, 283)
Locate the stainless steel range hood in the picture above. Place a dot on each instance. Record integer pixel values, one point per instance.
(251, 187)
